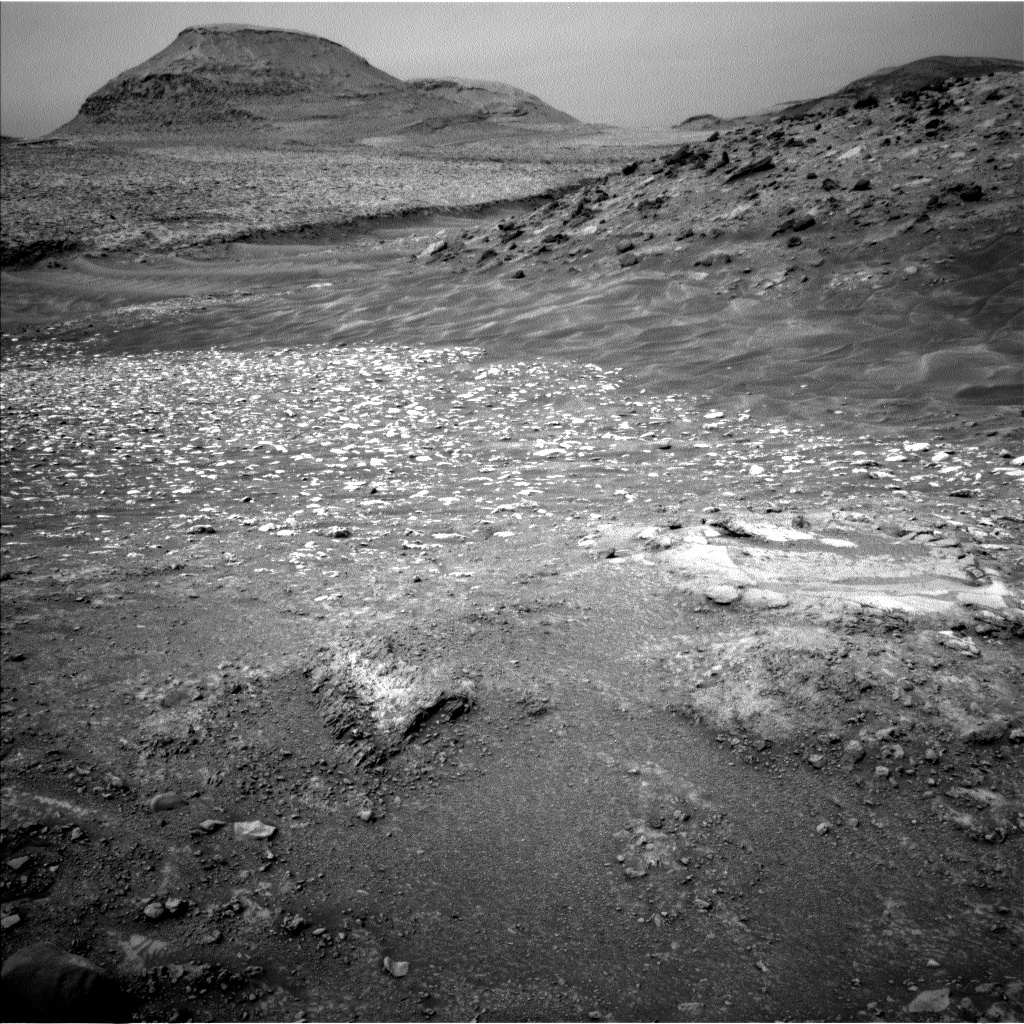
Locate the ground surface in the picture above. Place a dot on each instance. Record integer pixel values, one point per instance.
(621, 640)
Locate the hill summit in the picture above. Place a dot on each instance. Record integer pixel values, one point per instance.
(217, 78)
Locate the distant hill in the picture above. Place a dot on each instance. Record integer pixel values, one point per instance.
(928, 72)
(217, 79)
(492, 99)
(698, 122)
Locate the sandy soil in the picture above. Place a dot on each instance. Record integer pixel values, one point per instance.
(626, 639)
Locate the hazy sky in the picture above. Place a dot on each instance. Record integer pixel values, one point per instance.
(620, 63)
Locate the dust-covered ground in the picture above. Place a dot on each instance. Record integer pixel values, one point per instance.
(397, 630)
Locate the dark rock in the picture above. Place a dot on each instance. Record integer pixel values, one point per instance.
(862, 185)
(623, 246)
(794, 241)
(44, 983)
(866, 103)
(803, 223)
(713, 137)
(629, 169)
(517, 274)
(628, 259)
(971, 194)
(753, 167)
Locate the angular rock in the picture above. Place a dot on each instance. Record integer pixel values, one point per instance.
(753, 167)
(374, 701)
(253, 830)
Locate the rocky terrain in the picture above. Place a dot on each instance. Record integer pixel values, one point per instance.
(607, 609)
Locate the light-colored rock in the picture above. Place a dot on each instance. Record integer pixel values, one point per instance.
(722, 594)
(253, 830)
(933, 1000)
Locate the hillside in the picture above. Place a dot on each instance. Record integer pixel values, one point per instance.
(928, 73)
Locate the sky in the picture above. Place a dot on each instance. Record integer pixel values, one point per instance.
(632, 64)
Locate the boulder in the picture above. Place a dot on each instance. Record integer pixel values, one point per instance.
(44, 983)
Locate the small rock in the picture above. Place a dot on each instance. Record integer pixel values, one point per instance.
(75, 834)
(722, 594)
(433, 249)
(253, 830)
(817, 761)
(629, 259)
(18, 862)
(853, 751)
(293, 923)
(971, 194)
(624, 246)
(396, 968)
(704, 906)
(824, 828)
(164, 802)
(154, 911)
(9, 921)
(862, 185)
(212, 824)
(174, 905)
(202, 528)
(935, 1000)
(987, 732)
(339, 532)
(882, 772)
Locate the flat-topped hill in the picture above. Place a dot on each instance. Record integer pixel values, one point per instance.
(229, 78)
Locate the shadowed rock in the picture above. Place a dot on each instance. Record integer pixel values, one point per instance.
(44, 983)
